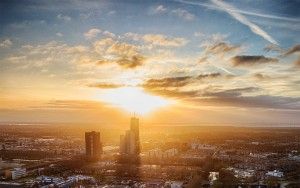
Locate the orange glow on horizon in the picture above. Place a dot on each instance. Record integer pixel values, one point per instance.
(133, 100)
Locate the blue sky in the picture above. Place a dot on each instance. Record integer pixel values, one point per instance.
(248, 50)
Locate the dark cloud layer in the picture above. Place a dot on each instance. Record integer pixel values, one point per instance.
(230, 92)
(232, 97)
(217, 49)
(260, 101)
(293, 50)
(131, 62)
(210, 75)
(249, 60)
(261, 76)
(167, 82)
(177, 82)
(221, 47)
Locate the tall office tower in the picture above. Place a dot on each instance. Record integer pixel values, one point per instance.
(134, 127)
(131, 142)
(93, 145)
(122, 144)
(128, 143)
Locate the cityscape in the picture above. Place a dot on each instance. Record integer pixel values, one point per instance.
(149, 156)
(149, 94)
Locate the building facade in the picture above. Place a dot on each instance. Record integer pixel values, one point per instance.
(93, 145)
(130, 142)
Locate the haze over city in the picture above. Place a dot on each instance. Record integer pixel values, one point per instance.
(101, 61)
(149, 94)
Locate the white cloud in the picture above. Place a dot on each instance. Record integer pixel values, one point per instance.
(92, 33)
(181, 13)
(59, 34)
(160, 9)
(109, 34)
(184, 14)
(63, 17)
(162, 40)
(112, 12)
(6, 43)
(199, 34)
(157, 40)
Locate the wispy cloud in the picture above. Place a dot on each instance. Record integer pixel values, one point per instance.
(5, 43)
(59, 34)
(63, 17)
(159, 9)
(92, 33)
(244, 12)
(242, 19)
(184, 14)
(179, 12)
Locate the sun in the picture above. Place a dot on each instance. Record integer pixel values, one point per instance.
(133, 100)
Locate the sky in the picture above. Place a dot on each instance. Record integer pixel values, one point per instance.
(170, 61)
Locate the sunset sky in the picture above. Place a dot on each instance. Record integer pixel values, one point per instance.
(171, 61)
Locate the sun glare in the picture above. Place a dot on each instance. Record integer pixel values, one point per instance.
(133, 100)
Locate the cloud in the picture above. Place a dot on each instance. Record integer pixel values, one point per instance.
(273, 47)
(293, 50)
(132, 36)
(248, 60)
(260, 101)
(210, 75)
(242, 19)
(92, 33)
(157, 40)
(177, 82)
(221, 48)
(199, 34)
(180, 13)
(130, 62)
(184, 14)
(297, 62)
(112, 12)
(236, 97)
(63, 17)
(59, 34)
(250, 13)
(48, 54)
(109, 34)
(6, 43)
(124, 54)
(229, 92)
(162, 40)
(122, 49)
(105, 85)
(261, 76)
(68, 105)
(216, 49)
(173, 93)
(159, 9)
(167, 82)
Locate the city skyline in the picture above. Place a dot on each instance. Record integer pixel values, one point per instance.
(209, 62)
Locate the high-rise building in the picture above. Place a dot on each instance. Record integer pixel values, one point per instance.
(130, 142)
(122, 144)
(135, 127)
(93, 146)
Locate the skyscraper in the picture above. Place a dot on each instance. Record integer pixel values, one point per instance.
(93, 146)
(130, 142)
(134, 127)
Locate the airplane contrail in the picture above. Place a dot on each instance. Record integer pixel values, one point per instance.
(242, 19)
